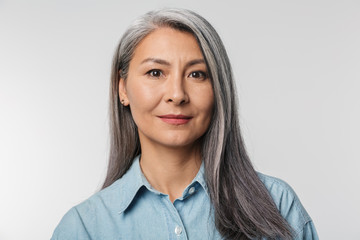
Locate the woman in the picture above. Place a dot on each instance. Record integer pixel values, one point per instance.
(178, 168)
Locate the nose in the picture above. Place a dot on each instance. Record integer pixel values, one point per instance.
(176, 92)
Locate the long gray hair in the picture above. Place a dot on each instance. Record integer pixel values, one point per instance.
(243, 207)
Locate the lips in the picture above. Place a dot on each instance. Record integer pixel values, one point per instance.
(175, 119)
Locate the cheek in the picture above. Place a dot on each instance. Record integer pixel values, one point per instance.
(206, 100)
(142, 100)
(203, 99)
(139, 95)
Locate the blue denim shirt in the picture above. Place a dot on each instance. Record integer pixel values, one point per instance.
(131, 209)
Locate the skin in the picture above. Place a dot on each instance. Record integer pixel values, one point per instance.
(168, 75)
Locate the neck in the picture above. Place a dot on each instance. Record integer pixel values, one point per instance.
(170, 170)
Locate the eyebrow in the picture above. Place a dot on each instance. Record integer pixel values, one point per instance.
(164, 62)
(156, 60)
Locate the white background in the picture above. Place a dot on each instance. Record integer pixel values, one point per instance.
(297, 67)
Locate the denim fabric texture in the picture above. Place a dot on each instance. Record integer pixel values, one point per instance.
(131, 209)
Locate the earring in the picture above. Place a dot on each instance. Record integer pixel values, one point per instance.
(122, 101)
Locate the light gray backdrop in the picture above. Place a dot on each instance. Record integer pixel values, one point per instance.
(297, 68)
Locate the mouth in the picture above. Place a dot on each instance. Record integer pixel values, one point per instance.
(175, 119)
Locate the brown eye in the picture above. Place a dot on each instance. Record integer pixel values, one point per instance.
(154, 73)
(198, 75)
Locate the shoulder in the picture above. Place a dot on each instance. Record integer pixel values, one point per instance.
(280, 191)
(98, 216)
(70, 227)
(108, 199)
(81, 221)
(289, 205)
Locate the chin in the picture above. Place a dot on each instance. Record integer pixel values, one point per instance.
(181, 143)
(171, 139)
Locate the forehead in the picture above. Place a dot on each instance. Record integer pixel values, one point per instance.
(169, 43)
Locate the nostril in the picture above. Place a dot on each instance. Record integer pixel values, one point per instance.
(178, 100)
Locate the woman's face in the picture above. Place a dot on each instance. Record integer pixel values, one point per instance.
(168, 89)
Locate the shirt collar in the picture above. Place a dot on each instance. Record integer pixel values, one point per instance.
(130, 184)
(134, 179)
(200, 178)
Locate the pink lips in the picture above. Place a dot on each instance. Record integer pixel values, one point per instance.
(175, 119)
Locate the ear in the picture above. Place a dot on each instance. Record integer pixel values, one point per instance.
(122, 92)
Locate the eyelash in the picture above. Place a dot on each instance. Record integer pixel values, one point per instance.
(152, 71)
(203, 74)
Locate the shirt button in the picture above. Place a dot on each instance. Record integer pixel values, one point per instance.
(191, 190)
(178, 230)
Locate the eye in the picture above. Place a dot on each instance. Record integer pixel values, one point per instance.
(155, 73)
(198, 75)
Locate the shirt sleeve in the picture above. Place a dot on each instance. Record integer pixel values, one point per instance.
(71, 227)
(308, 232)
(290, 208)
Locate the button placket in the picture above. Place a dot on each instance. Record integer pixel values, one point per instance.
(175, 226)
(178, 230)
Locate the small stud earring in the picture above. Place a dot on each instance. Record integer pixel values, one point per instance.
(122, 101)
